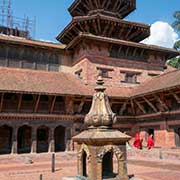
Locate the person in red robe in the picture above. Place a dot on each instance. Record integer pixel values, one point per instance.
(150, 142)
(138, 141)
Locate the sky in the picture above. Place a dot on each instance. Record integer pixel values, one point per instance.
(52, 16)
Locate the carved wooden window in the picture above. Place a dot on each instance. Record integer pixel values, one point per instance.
(104, 72)
(130, 77)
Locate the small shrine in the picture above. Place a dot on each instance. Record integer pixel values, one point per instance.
(100, 142)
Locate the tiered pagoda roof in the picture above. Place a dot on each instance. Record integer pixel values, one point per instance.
(105, 26)
(115, 8)
(103, 18)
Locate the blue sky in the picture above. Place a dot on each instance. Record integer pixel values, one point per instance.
(52, 15)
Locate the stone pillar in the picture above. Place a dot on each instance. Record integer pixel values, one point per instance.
(122, 167)
(14, 148)
(34, 140)
(99, 170)
(51, 140)
(68, 139)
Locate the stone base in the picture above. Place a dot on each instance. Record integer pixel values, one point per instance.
(77, 178)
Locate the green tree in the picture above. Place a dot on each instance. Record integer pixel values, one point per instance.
(176, 25)
(175, 62)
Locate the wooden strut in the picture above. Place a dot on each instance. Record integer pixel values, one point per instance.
(2, 100)
(140, 106)
(123, 108)
(150, 104)
(81, 105)
(37, 104)
(161, 102)
(132, 105)
(20, 102)
(175, 96)
(52, 104)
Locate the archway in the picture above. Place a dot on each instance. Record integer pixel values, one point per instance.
(107, 166)
(59, 137)
(24, 139)
(5, 139)
(42, 139)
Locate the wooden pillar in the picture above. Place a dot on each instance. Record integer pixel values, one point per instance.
(14, 148)
(51, 140)
(34, 140)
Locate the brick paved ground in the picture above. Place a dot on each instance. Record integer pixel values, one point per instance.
(17, 168)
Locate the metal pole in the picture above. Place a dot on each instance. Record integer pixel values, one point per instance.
(53, 163)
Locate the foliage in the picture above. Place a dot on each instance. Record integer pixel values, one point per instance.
(176, 23)
(177, 45)
(174, 62)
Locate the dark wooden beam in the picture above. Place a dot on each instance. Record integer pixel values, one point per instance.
(37, 103)
(20, 102)
(132, 106)
(140, 106)
(106, 28)
(52, 104)
(123, 108)
(176, 97)
(81, 105)
(2, 100)
(163, 104)
(150, 104)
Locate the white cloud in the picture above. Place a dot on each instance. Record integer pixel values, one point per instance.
(162, 34)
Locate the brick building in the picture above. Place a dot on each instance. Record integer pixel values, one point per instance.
(46, 88)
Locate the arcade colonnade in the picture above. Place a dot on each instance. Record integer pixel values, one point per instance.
(28, 138)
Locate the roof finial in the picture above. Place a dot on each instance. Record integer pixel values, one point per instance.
(100, 114)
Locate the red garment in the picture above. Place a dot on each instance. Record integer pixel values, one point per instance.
(137, 141)
(150, 142)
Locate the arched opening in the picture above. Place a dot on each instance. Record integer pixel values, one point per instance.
(42, 139)
(24, 139)
(107, 166)
(84, 164)
(5, 140)
(59, 137)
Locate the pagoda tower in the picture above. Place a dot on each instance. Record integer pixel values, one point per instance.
(103, 18)
(99, 37)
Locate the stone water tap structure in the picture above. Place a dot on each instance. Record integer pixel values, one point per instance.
(98, 144)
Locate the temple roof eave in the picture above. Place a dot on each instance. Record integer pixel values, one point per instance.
(32, 43)
(77, 3)
(121, 22)
(168, 51)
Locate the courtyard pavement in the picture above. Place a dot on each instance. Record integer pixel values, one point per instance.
(31, 167)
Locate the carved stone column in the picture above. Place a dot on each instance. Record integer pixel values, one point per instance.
(51, 140)
(34, 140)
(14, 148)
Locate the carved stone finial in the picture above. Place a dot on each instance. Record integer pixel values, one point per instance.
(100, 114)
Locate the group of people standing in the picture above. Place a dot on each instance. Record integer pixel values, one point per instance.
(138, 141)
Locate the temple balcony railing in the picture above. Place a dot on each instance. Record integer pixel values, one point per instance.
(29, 64)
